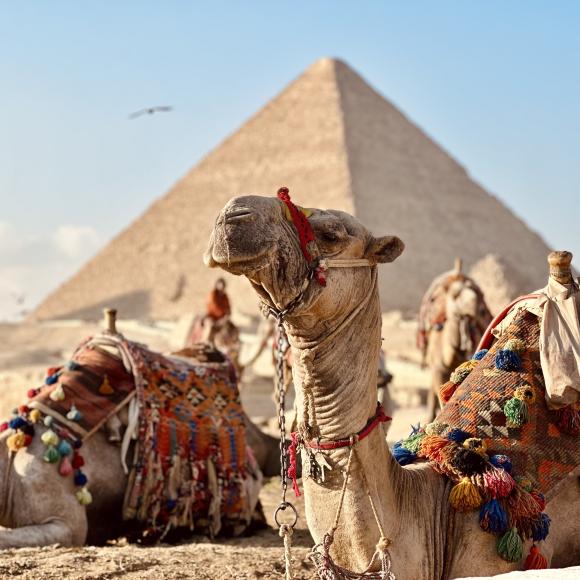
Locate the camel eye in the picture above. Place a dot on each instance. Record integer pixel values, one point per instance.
(330, 236)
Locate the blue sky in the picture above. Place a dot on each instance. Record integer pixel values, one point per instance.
(496, 83)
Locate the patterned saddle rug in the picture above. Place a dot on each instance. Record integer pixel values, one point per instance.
(189, 458)
(499, 441)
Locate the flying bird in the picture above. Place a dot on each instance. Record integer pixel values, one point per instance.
(150, 111)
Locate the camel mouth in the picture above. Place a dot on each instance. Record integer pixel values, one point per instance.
(239, 264)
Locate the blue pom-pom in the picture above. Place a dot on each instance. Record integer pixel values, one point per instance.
(458, 435)
(541, 527)
(403, 455)
(17, 423)
(80, 478)
(502, 461)
(480, 354)
(508, 360)
(52, 379)
(492, 517)
(171, 504)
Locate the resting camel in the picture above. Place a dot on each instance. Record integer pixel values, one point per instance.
(452, 319)
(39, 506)
(334, 327)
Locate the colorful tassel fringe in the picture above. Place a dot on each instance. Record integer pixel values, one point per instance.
(541, 527)
(501, 461)
(403, 455)
(510, 546)
(535, 560)
(492, 517)
(464, 496)
(508, 360)
(447, 390)
(480, 354)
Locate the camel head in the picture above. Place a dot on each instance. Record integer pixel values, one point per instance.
(463, 299)
(258, 237)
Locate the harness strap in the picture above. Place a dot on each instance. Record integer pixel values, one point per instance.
(378, 418)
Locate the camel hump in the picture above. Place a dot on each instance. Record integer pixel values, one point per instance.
(560, 266)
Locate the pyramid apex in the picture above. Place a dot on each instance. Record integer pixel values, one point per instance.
(327, 63)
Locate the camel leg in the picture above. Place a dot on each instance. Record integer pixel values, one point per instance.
(434, 403)
(52, 532)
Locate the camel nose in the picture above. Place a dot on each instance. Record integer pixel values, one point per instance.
(236, 215)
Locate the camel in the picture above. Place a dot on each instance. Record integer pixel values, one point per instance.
(334, 324)
(452, 319)
(40, 507)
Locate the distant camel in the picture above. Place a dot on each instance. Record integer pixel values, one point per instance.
(452, 319)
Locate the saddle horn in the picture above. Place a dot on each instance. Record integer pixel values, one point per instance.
(560, 266)
(110, 315)
(458, 265)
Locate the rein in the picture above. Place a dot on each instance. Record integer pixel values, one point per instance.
(317, 267)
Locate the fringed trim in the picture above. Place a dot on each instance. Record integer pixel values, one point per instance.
(464, 496)
(535, 560)
(568, 419)
(510, 546)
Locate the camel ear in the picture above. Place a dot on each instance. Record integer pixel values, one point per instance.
(385, 249)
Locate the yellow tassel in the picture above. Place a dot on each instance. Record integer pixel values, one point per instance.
(105, 388)
(464, 496)
(16, 441)
(84, 496)
(35, 415)
(50, 438)
(57, 394)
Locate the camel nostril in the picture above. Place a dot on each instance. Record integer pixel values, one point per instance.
(239, 215)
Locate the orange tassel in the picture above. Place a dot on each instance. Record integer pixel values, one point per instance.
(431, 447)
(105, 388)
(535, 560)
(446, 391)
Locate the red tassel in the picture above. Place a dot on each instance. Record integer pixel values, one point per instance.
(292, 467)
(447, 391)
(498, 482)
(540, 499)
(535, 560)
(569, 420)
(77, 461)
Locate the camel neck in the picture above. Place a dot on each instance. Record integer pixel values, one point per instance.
(336, 369)
(339, 368)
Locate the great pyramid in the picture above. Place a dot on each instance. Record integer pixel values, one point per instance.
(336, 143)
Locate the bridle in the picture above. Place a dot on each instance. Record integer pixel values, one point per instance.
(317, 266)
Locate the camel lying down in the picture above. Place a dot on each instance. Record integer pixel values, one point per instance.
(109, 445)
(317, 269)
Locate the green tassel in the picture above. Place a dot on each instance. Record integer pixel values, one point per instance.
(516, 412)
(51, 455)
(510, 546)
(413, 442)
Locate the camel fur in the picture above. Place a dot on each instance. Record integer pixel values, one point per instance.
(335, 334)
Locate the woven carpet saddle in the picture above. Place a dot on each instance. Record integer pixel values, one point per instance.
(189, 455)
(497, 439)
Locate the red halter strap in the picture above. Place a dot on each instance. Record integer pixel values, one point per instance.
(378, 418)
(305, 234)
